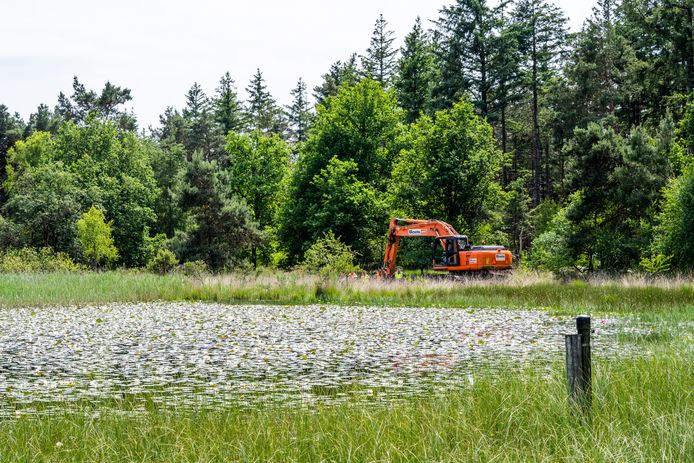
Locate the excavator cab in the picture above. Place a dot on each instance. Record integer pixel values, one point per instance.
(445, 250)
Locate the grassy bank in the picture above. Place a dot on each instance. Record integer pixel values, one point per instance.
(662, 298)
(643, 406)
(643, 411)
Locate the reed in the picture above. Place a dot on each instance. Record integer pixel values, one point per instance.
(660, 298)
(643, 411)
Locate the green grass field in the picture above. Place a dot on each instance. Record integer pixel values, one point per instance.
(643, 407)
(660, 298)
(643, 411)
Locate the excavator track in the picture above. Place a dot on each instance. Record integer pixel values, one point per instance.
(480, 275)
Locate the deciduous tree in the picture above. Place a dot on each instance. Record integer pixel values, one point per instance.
(94, 233)
(449, 170)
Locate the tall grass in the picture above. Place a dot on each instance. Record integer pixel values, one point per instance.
(660, 298)
(643, 411)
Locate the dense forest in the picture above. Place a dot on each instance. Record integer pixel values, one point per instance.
(572, 149)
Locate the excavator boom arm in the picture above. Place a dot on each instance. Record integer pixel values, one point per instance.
(410, 227)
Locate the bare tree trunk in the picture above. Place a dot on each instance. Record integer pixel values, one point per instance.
(536, 160)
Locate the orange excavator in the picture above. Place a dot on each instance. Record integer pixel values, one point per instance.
(451, 252)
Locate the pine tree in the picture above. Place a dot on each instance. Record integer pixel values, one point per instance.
(600, 68)
(224, 224)
(172, 127)
(262, 112)
(661, 33)
(298, 113)
(43, 120)
(542, 39)
(227, 110)
(200, 125)
(416, 73)
(380, 59)
(338, 75)
(105, 105)
(168, 167)
(504, 69)
(467, 27)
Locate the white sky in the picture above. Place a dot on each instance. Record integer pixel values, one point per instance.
(158, 48)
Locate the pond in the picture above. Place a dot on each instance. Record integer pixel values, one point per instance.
(194, 354)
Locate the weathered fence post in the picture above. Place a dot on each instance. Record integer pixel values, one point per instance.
(583, 328)
(578, 368)
(573, 365)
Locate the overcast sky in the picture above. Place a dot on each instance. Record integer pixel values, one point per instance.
(158, 48)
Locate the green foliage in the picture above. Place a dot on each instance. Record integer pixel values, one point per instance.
(32, 260)
(108, 168)
(199, 134)
(619, 180)
(603, 67)
(223, 224)
(347, 207)
(661, 34)
(226, 107)
(551, 250)
(338, 75)
(10, 234)
(165, 261)
(329, 257)
(448, 170)
(380, 59)
(43, 120)
(541, 216)
(299, 115)
(416, 74)
(94, 233)
(35, 149)
(262, 112)
(84, 104)
(683, 146)
(44, 202)
(675, 223)
(355, 137)
(606, 113)
(11, 129)
(258, 163)
(517, 218)
(195, 269)
(656, 264)
(168, 167)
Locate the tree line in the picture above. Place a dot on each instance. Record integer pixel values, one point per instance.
(573, 149)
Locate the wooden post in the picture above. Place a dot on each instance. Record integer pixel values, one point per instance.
(578, 368)
(583, 328)
(573, 366)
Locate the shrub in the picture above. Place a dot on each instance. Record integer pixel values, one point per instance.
(10, 234)
(550, 251)
(196, 268)
(95, 235)
(656, 264)
(675, 223)
(163, 262)
(30, 260)
(329, 256)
